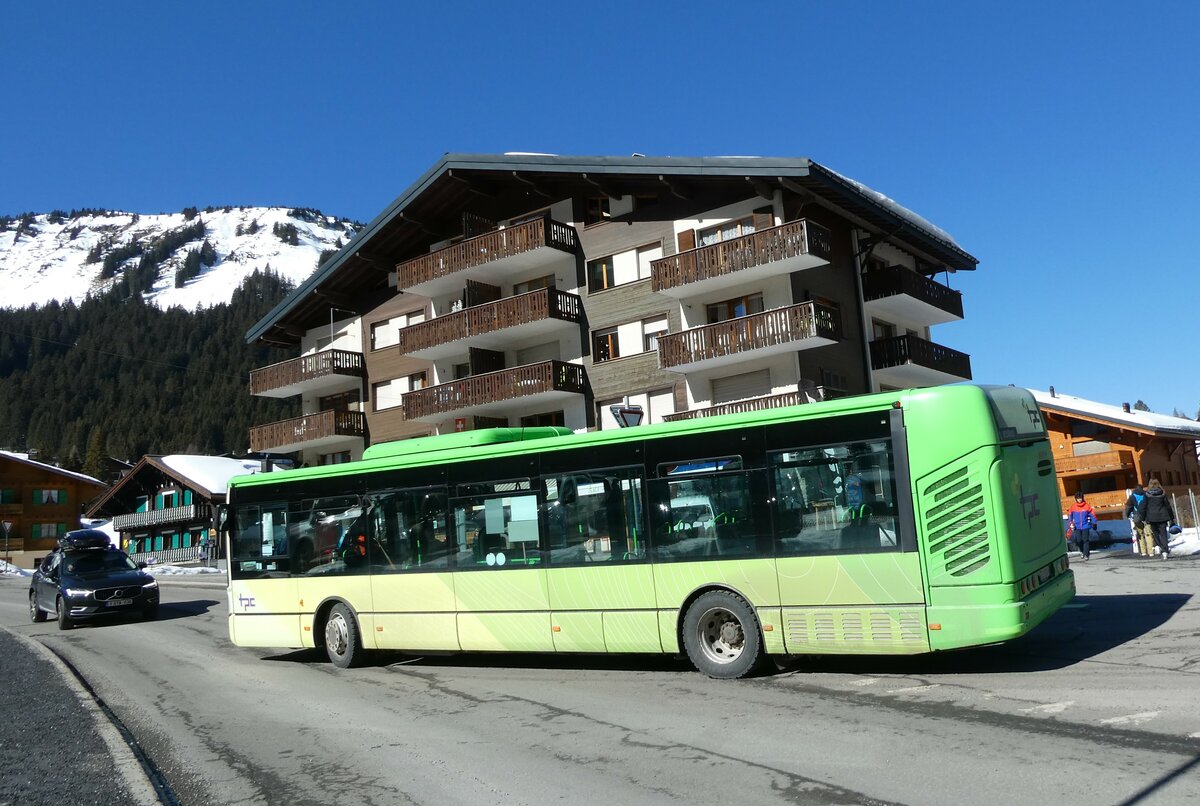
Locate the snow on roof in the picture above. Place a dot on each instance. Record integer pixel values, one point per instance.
(1145, 420)
(24, 457)
(211, 472)
(898, 209)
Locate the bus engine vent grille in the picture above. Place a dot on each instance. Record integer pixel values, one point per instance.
(852, 628)
(956, 522)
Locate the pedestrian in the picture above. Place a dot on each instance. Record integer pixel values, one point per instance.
(1143, 540)
(1083, 520)
(1155, 511)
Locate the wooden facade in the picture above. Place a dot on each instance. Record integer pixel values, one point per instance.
(1105, 451)
(39, 502)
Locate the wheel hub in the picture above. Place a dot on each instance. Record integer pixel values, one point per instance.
(337, 636)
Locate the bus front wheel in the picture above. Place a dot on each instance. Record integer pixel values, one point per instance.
(721, 635)
(343, 643)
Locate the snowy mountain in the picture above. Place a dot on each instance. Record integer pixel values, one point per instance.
(206, 253)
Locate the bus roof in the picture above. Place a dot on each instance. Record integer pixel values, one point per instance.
(498, 442)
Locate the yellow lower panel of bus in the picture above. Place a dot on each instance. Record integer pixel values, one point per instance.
(505, 632)
(265, 631)
(874, 630)
(414, 631)
(631, 631)
(578, 632)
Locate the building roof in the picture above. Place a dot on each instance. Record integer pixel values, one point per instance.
(1145, 421)
(24, 459)
(497, 186)
(208, 475)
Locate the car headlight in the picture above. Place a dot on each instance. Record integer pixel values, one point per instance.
(151, 584)
(77, 593)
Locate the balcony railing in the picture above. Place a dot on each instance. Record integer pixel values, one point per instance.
(494, 387)
(290, 435)
(522, 309)
(292, 377)
(905, 350)
(1094, 464)
(1108, 501)
(758, 404)
(157, 517)
(788, 244)
(897, 281)
(787, 327)
(487, 248)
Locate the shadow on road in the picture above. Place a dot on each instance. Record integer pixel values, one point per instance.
(502, 660)
(196, 607)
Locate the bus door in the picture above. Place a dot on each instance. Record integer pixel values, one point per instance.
(500, 584)
(263, 602)
(601, 587)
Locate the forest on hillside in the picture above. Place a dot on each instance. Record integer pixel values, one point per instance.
(127, 378)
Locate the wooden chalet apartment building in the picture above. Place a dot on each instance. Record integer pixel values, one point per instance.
(527, 289)
(1105, 450)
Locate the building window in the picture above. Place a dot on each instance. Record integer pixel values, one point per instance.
(882, 330)
(417, 380)
(49, 496)
(734, 308)
(544, 419)
(596, 210)
(605, 346)
(8, 496)
(726, 232)
(534, 284)
(341, 457)
(601, 274)
(47, 531)
(652, 330)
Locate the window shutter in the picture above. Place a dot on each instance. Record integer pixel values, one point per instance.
(741, 387)
(687, 240)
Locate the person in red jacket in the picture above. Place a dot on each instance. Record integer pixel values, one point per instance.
(1083, 520)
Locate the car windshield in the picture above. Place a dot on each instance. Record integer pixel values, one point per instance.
(97, 562)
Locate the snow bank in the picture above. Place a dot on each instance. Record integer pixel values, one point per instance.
(6, 569)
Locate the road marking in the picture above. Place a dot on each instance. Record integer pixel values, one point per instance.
(1049, 708)
(913, 688)
(1134, 718)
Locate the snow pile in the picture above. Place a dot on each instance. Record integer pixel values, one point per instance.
(7, 569)
(181, 570)
(1186, 542)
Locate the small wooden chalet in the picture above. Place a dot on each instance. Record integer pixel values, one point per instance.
(1106, 450)
(164, 506)
(39, 502)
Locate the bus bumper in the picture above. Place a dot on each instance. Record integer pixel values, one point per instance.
(956, 626)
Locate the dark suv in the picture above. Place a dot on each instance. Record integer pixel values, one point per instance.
(86, 577)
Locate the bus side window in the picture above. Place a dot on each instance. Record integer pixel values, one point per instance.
(594, 517)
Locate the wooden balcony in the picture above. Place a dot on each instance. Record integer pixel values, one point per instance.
(325, 428)
(899, 294)
(906, 362)
(492, 325)
(1106, 502)
(323, 373)
(797, 327)
(1096, 464)
(493, 393)
(767, 253)
(11, 509)
(491, 257)
(159, 517)
(813, 395)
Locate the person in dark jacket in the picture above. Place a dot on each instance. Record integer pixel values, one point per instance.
(1083, 520)
(1156, 511)
(1143, 539)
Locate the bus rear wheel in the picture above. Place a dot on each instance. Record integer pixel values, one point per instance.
(343, 643)
(721, 635)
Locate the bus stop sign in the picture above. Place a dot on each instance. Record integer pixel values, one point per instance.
(626, 415)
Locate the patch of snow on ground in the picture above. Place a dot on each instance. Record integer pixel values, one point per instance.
(7, 569)
(181, 570)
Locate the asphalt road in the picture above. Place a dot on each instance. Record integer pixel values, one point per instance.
(1099, 705)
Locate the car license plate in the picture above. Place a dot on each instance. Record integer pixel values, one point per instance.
(118, 602)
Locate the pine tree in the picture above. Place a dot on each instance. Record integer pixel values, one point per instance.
(1140, 406)
(95, 463)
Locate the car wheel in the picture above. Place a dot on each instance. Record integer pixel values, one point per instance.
(64, 620)
(35, 612)
(721, 635)
(342, 641)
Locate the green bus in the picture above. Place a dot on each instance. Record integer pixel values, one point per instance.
(902, 522)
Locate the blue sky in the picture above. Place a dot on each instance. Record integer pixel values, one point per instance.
(1054, 141)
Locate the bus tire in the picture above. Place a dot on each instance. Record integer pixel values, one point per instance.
(722, 636)
(343, 642)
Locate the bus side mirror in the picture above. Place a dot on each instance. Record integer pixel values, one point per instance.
(222, 518)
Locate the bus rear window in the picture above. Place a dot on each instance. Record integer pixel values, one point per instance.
(1015, 412)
